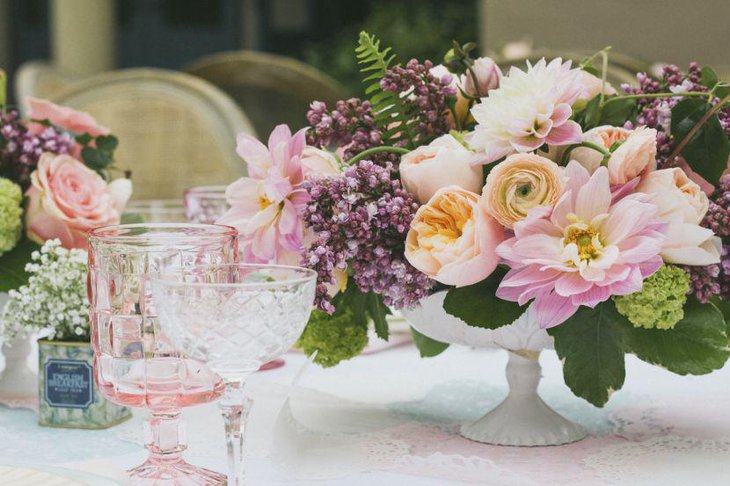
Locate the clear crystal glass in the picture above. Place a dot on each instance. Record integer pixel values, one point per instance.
(205, 204)
(155, 211)
(234, 318)
(135, 363)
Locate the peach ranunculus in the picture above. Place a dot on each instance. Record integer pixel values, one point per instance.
(635, 156)
(69, 119)
(444, 162)
(682, 205)
(319, 163)
(520, 183)
(453, 239)
(67, 199)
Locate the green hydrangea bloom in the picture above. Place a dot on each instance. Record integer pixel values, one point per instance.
(660, 303)
(336, 337)
(11, 214)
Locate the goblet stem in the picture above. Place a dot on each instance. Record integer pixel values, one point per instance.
(235, 408)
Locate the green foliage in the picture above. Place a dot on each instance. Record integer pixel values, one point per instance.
(695, 346)
(478, 306)
(12, 265)
(590, 344)
(335, 338)
(427, 347)
(708, 149)
(393, 113)
(708, 77)
(365, 308)
(612, 112)
(11, 214)
(101, 156)
(660, 302)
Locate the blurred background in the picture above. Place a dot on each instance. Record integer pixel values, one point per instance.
(222, 66)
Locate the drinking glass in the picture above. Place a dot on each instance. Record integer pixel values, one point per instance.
(205, 204)
(155, 211)
(234, 318)
(135, 363)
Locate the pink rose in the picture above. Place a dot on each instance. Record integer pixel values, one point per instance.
(453, 239)
(488, 77)
(444, 162)
(67, 199)
(636, 154)
(69, 119)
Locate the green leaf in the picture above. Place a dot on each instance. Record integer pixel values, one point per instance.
(84, 138)
(708, 150)
(107, 143)
(695, 346)
(588, 116)
(590, 345)
(478, 306)
(722, 90)
(427, 347)
(724, 307)
(377, 311)
(708, 77)
(617, 112)
(12, 265)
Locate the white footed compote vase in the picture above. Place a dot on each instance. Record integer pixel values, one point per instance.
(523, 418)
(234, 318)
(17, 381)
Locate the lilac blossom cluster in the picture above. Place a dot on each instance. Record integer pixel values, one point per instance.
(712, 280)
(360, 221)
(657, 112)
(20, 149)
(351, 125)
(428, 94)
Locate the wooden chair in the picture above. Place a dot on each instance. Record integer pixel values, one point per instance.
(175, 130)
(41, 80)
(271, 89)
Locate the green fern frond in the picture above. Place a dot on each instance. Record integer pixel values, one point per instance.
(391, 110)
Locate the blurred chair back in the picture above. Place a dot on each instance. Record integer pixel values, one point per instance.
(175, 130)
(271, 89)
(41, 80)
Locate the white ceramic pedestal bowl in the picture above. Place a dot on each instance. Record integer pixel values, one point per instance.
(523, 418)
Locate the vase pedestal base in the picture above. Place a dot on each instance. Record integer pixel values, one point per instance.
(173, 473)
(523, 418)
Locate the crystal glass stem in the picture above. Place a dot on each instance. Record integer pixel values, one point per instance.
(235, 407)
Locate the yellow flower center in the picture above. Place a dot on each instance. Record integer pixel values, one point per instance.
(442, 223)
(264, 202)
(585, 237)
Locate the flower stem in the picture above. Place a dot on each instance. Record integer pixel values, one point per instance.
(377, 150)
(657, 95)
(590, 145)
(690, 135)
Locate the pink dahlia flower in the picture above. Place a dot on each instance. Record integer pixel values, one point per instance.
(591, 246)
(266, 206)
(530, 108)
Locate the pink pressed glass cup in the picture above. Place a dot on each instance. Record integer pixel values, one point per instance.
(134, 362)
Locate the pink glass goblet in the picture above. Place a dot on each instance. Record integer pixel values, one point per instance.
(135, 364)
(154, 211)
(234, 318)
(206, 204)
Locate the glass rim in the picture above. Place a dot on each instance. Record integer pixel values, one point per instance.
(310, 275)
(210, 191)
(115, 232)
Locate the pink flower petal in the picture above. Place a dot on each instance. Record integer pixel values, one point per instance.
(570, 284)
(551, 309)
(565, 134)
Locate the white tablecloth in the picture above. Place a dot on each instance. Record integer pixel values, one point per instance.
(392, 418)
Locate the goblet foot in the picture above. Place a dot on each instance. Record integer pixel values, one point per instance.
(172, 472)
(523, 418)
(273, 364)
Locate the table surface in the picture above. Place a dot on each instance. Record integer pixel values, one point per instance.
(392, 418)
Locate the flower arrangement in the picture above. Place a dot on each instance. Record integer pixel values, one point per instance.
(54, 299)
(56, 169)
(603, 209)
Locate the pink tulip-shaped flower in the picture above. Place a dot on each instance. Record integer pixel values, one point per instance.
(591, 246)
(266, 206)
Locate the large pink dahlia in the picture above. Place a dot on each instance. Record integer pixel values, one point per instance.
(591, 246)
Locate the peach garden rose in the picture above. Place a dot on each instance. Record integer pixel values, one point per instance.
(452, 238)
(67, 199)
